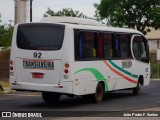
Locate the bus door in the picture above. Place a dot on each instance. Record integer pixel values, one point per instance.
(123, 62)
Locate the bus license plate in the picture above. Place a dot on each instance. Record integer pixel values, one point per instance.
(38, 64)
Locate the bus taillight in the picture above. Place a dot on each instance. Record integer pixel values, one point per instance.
(11, 68)
(11, 62)
(11, 65)
(66, 65)
(66, 71)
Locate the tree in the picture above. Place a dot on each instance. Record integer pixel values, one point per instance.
(0, 18)
(6, 32)
(137, 14)
(64, 12)
(6, 35)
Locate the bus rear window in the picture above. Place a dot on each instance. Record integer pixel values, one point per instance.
(38, 36)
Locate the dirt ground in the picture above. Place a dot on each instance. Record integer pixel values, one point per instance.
(4, 74)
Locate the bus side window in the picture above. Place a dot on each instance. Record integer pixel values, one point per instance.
(108, 45)
(140, 49)
(81, 44)
(90, 45)
(96, 52)
(76, 45)
(125, 46)
(117, 46)
(100, 46)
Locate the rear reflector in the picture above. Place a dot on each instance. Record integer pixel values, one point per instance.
(58, 86)
(37, 75)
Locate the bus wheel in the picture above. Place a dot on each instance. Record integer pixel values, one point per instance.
(99, 93)
(136, 90)
(97, 97)
(50, 97)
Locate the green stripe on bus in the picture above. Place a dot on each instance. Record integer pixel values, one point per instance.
(97, 75)
(122, 70)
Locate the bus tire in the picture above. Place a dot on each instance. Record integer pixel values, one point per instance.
(97, 97)
(99, 93)
(136, 89)
(50, 97)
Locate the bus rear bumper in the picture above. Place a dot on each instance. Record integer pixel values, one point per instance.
(65, 87)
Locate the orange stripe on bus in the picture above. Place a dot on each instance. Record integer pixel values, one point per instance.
(120, 74)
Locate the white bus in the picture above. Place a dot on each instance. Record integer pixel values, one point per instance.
(75, 56)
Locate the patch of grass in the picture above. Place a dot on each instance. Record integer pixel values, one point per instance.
(4, 84)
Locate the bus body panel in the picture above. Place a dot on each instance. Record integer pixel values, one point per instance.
(84, 86)
(101, 72)
(48, 76)
(22, 79)
(66, 89)
(83, 76)
(88, 76)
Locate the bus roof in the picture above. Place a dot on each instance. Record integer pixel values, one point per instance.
(72, 20)
(83, 23)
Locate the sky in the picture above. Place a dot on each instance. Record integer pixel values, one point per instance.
(40, 7)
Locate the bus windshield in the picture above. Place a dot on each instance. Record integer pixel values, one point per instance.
(40, 36)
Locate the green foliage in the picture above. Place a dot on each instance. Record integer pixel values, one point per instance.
(6, 32)
(154, 64)
(64, 12)
(6, 35)
(139, 14)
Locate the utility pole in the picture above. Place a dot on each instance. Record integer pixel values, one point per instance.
(31, 10)
(20, 11)
(10, 22)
